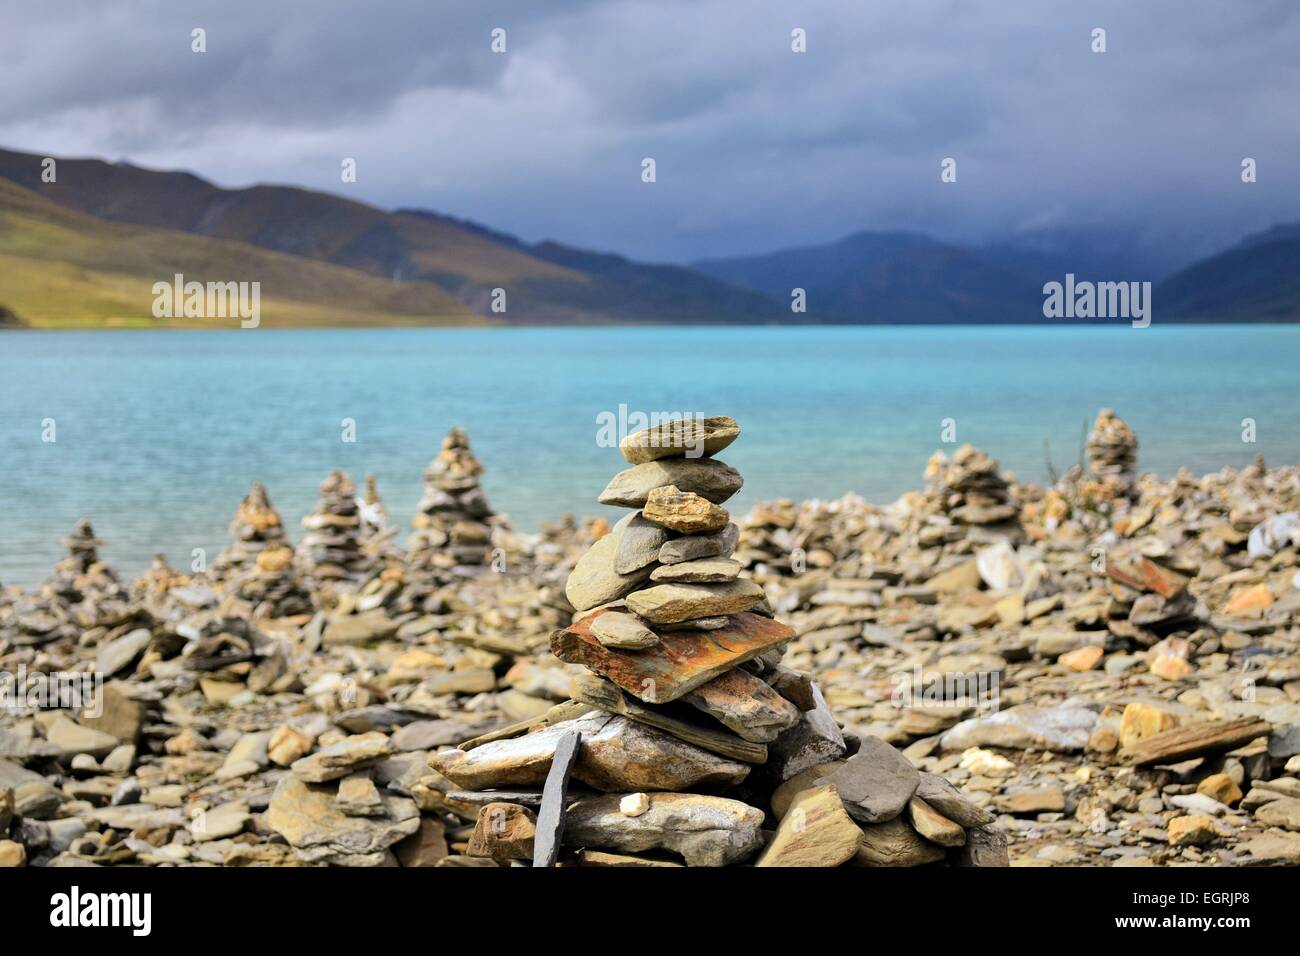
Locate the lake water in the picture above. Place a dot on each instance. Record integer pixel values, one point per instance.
(160, 433)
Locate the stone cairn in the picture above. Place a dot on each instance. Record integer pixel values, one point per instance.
(1112, 456)
(83, 592)
(331, 551)
(168, 595)
(455, 522)
(970, 492)
(378, 533)
(258, 568)
(683, 723)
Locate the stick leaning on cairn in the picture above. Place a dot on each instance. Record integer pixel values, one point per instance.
(686, 693)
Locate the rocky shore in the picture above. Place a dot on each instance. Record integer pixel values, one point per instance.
(1103, 672)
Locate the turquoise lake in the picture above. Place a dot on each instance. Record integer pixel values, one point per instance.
(158, 434)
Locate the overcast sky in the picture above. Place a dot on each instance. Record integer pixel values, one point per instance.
(756, 147)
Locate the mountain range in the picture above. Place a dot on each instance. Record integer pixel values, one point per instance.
(86, 249)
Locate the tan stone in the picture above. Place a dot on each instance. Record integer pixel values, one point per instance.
(1192, 831)
(674, 603)
(602, 858)
(815, 831)
(960, 577)
(1083, 658)
(708, 478)
(593, 580)
(308, 816)
(425, 847)
(705, 830)
(1171, 667)
(704, 571)
(933, 825)
(626, 631)
(414, 665)
(895, 844)
(616, 755)
(503, 831)
(1036, 800)
(287, 744)
(275, 560)
(1141, 720)
(12, 854)
(340, 759)
(680, 437)
(746, 705)
(784, 795)
(1011, 609)
(1221, 787)
(1104, 740)
(684, 511)
(1249, 600)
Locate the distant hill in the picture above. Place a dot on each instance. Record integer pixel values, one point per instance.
(60, 268)
(548, 283)
(911, 278)
(1257, 280)
(889, 277)
(1095, 253)
(79, 250)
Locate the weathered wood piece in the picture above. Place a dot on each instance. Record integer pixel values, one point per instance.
(1193, 740)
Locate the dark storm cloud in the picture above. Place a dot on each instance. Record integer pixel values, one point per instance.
(756, 147)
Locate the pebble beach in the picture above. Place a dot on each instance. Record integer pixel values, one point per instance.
(1099, 671)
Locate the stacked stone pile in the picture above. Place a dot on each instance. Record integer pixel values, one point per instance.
(82, 593)
(258, 570)
(455, 524)
(691, 741)
(331, 551)
(970, 489)
(1112, 455)
(167, 595)
(378, 532)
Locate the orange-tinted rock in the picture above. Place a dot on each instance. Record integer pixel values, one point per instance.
(679, 663)
(1246, 600)
(1083, 658)
(1146, 575)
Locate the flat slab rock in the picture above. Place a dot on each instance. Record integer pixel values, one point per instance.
(340, 759)
(625, 631)
(674, 603)
(746, 705)
(694, 547)
(617, 754)
(684, 511)
(308, 816)
(1064, 728)
(694, 437)
(895, 843)
(706, 831)
(679, 663)
(703, 571)
(706, 477)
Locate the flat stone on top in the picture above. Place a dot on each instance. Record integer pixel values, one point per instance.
(688, 437)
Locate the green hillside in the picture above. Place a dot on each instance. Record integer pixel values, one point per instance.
(60, 268)
(546, 283)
